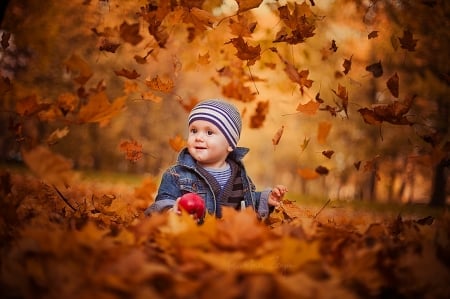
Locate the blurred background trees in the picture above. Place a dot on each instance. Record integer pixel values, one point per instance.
(161, 57)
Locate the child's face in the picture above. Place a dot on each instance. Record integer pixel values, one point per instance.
(207, 144)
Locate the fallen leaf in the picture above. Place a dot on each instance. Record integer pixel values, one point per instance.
(276, 138)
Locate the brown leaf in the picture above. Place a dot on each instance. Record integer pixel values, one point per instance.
(242, 27)
(347, 65)
(259, 116)
(299, 24)
(328, 153)
(343, 95)
(357, 165)
(322, 170)
(246, 52)
(276, 138)
(79, 66)
(128, 74)
(130, 33)
(372, 34)
(376, 69)
(305, 143)
(333, 46)
(5, 39)
(29, 106)
(393, 85)
(107, 45)
(99, 109)
(407, 42)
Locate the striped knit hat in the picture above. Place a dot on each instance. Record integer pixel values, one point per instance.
(223, 115)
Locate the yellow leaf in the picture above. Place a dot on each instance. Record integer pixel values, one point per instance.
(309, 108)
(100, 110)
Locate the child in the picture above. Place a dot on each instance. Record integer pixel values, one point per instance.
(211, 166)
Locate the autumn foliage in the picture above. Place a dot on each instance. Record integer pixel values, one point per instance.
(95, 242)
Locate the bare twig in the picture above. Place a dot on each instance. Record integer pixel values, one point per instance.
(321, 209)
(64, 198)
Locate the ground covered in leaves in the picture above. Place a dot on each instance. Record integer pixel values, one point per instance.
(92, 241)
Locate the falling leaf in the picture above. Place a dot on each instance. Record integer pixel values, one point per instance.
(393, 113)
(305, 143)
(343, 95)
(204, 59)
(357, 165)
(347, 65)
(245, 5)
(242, 27)
(299, 24)
(323, 131)
(132, 150)
(246, 52)
(128, 74)
(130, 33)
(276, 138)
(322, 170)
(79, 66)
(333, 46)
(143, 59)
(67, 102)
(328, 153)
(56, 135)
(407, 42)
(107, 45)
(259, 116)
(156, 83)
(310, 108)
(307, 173)
(177, 143)
(99, 109)
(376, 69)
(393, 85)
(29, 106)
(372, 34)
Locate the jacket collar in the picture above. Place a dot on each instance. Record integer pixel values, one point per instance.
(185, 159)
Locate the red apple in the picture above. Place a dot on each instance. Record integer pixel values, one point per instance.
(193, 204)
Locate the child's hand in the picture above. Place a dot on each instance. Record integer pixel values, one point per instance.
(276, 195)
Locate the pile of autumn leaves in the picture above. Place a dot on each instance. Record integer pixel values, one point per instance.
(103, 247)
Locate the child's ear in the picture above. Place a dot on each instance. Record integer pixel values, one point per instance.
(229, 149)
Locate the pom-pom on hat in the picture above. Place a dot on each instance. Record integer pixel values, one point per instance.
(223, 115)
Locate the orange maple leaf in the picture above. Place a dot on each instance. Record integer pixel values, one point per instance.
(310, 108)
(245, 5)
(299, 24)
(242, 27)
(79, 66)
(130, 33)
(246, 52)
(323, 130)
(132, 149)
(99, 109)
(158, 84)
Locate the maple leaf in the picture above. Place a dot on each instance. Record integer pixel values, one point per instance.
(407, 42)
(259, 116)
(132, 150)
(156, 83)
(333, 46)
(310, 108)
(204, 59)
(78, 65)
(300, 25)
(392, 85)
(245, 5)
(177, 143)
(246, 52)
(201, 19)
(242, 27)
(99, 109)
(130, 33)
(128, 74)
(276, 138)
(300, 78)
(67, 102)
(376, 69)
(237, 90)
(393, 113)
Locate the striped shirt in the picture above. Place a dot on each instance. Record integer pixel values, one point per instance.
(221, 175)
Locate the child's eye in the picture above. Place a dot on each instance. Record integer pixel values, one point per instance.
(209, 132)
(193, 131)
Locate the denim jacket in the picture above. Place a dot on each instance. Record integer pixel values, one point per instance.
(183, 177)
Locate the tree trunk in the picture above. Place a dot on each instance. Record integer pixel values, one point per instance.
(439, 194)
(3, 7)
